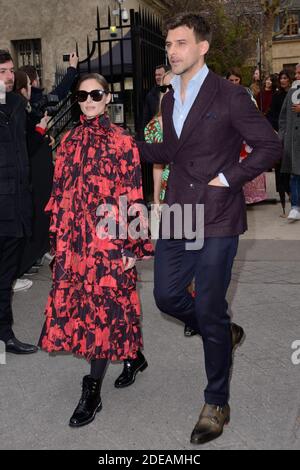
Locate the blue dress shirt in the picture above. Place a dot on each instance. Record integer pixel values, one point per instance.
(182, 109)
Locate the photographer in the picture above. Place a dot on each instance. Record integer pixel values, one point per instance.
(39, 100)
(41, 175)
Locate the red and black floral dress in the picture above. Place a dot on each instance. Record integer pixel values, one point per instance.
(93, 307)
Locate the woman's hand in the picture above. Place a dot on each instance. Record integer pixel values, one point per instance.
(156, 209)
(44, 121)
(128, 262)
(52, 141)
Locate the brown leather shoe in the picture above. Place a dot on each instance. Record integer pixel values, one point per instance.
(237, 335)
(210, 424)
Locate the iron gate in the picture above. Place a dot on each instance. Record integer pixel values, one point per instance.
(126, 53)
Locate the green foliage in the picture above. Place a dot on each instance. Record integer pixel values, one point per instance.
(236, 26)
(233, 37)
(232, 43)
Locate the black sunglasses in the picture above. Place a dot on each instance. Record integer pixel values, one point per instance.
(96, 95)
(164, 88)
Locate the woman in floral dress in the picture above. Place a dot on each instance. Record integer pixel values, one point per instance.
(93, 308)
(255, 190)
(154, 134)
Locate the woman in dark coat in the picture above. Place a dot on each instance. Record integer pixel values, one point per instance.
(265, 97)
(41, 176)
(282, 179)
(93, 308)
(285, 80)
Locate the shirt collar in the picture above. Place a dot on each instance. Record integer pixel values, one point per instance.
(198, 77)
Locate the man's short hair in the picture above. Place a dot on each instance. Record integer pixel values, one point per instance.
(193, 21)
(163, 66)
(5, 56)
(31, 71)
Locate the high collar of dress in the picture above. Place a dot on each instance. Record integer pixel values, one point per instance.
(98, 124)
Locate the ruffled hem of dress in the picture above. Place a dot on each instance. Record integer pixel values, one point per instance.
(114, 351)
(92, 322)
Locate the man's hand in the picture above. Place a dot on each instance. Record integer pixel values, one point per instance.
(216, 182)
(296, 108)
(128, 262)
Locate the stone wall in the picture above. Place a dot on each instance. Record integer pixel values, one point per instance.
(285, 52)
(60, 24)
(57, 23)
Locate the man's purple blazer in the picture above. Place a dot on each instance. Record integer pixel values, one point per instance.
(222, 116)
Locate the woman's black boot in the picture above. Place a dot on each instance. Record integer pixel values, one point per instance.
(89, 403)
(131, 368)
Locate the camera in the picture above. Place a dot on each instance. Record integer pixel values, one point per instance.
(46, 103)
(124, 15)
(66, 57)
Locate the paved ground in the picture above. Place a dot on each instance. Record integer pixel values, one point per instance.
(38, 392)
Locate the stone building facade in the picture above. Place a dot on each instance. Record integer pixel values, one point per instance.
(48, 29)
(286, 46)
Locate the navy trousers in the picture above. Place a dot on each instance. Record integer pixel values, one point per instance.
(211, 267)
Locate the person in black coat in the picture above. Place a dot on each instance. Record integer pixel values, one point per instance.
(15, 199)
(153, 97)
(41, 176)
(282, 179)
(285, 82)
(39, 100)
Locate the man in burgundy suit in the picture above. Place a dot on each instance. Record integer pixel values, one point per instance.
(205, 120)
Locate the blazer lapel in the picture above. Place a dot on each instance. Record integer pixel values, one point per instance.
(168, 112)
(200, 106)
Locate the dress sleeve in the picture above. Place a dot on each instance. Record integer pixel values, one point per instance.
(52, 207)
(137, 243)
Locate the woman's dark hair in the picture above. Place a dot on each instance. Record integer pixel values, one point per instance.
(21, 81)
(193, 21)
(287, 73)
(94, 76)
(5, 56)
(274, 79)
(236, 72)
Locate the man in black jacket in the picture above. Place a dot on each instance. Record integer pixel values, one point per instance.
(151, 106)
(15, 199)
